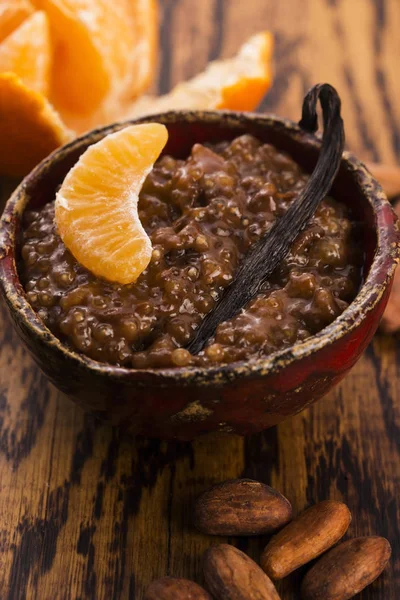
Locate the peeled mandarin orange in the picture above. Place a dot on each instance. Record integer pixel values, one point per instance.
(137, 74)
(144, 51)
(94, 51)
(238, 83)
(29, 127)
(26, 52)
(79, 80)
(12, 14)
(96, 209)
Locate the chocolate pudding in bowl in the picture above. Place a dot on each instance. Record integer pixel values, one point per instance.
(221, 182)
(202, 214)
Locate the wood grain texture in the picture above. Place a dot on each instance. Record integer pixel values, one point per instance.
(85, 513)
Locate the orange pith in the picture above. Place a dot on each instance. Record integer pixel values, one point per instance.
(12, 14)
(26, 52)
(29, 127)
(96, 207)
(238, 83)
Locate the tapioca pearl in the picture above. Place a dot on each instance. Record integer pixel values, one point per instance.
(274, 302)
(172, 289)
(252, 184)
(31, 285)
(30, 216)
(167, 164)
(74, 297)
(302, 333)
(217, 184)
(43, 314)
(32, 258)
(325, 306)
(103, 332)
(46, 299)
(225, 336)
(44, 264)
(100, 302)
(43, 283)
(122, 352)
(156, 255)
(181, 357)
(343, 288)
(290, 331)
(331, 226)
(46, 245)
(180, 330)
(33, 298)
(146, 308)
(82, 336)
(325, 209)
(26, 250)
(129, 328)
(204, 303)
(215, 352)
(193, 273)
(64, 278)
(301, 285)
(262, 202)
(78, 316)
(201, 243)
(325, 281)
(32, 232)
(243, 147)
(330, 251)
(306, 241)
(254, 231)
(212, 272)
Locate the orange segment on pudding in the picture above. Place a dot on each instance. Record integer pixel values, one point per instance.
(96, 208)
(26, 52)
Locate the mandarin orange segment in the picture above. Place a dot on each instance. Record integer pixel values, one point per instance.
(96, 208)
(145, 48)
(26, 52)
(79, 80)
(12, 14)
(238, 83)
(139, 67)
(29, 127)
(98, 47)
(251, 73)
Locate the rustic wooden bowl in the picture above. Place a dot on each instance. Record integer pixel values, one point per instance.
(243, 397)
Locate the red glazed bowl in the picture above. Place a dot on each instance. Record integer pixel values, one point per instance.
(242, 397)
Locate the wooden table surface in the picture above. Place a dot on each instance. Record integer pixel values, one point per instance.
(85, 513)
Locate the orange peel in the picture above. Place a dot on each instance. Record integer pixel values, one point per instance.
(29, 127)
(238, 83)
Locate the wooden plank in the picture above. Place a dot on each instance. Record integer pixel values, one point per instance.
(85, 513)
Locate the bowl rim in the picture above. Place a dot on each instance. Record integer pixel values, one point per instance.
(387, 256)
